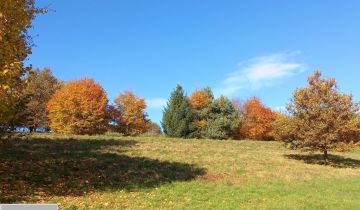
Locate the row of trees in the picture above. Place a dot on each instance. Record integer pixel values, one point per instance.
(82, 107)
(203, 116)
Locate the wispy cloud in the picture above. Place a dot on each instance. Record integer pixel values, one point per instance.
(156, 103)
(261, 71)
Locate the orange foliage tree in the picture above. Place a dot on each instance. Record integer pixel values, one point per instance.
(200, 101)
(258, 121)
(132, 120)
(79, 107)
(200, 98)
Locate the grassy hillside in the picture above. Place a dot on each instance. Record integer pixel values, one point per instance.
(99, 172)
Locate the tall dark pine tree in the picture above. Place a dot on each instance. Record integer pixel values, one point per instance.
(177, 115)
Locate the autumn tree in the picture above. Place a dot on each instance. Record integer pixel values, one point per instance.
(132, 120)
(177, 115)
(200, 102)
(16, 17)
(323, 119)
(12, 99)
(40, 86)
(79, 107)
(223, 119)
(258, 121)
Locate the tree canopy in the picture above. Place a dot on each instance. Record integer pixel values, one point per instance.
(132, 117)
(79, 107)
(223, 119)
(258, 121)
(322, 118)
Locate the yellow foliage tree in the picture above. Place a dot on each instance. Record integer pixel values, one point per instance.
(15, 44)
(132, 114)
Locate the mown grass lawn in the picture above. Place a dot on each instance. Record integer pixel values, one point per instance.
(101, 172)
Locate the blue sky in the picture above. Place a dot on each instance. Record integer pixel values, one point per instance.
(238, 48)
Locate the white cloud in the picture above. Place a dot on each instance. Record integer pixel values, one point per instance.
(280, 108)
(156, 103)
(261, 71)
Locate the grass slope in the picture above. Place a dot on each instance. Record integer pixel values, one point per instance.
(100, 172)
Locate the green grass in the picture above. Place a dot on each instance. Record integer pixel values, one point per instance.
(110, 172)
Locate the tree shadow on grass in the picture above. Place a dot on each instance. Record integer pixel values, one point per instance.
(335, 161)
(31, 170)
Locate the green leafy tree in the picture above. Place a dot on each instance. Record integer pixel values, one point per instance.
(40, 86)
(223, 120)
(322, 118)
(177, 115)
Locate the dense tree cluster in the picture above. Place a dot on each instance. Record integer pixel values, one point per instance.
(199, 116)
(81, 107)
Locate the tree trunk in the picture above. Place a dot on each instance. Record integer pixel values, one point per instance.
(325, 157)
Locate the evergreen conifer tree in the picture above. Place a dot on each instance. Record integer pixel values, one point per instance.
(223, 119)
(177, 115)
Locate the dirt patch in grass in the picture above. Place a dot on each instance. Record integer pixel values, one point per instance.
(213, 177)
